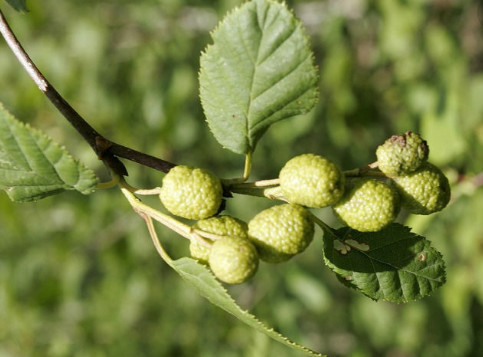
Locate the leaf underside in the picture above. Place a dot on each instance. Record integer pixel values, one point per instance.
(259, 70)
(399, 266)
(32, 166)
(19, 5)
(201, 278)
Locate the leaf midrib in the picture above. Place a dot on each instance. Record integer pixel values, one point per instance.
(255, 67)
(34, 138)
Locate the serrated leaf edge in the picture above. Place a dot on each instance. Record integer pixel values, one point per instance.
(255, 323)
(348, 280)
(250, 146)
(35, 134)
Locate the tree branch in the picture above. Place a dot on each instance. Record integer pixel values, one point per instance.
(106, 150)
(140, 157)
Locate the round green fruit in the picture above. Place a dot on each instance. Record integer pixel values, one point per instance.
(233, 260)
(424, 191)
(191, 193)
(200, 251)
(402, 154)
(223, 226)
(369, 205)
(280, 232)
(311, 180)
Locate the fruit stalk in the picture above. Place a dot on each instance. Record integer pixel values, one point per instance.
(143, 209)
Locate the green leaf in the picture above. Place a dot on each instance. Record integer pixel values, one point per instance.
(201, 278)
(259, 70)
(392, 264)
(19, 5)
(32, 166)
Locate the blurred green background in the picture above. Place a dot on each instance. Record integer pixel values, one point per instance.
(79, 275)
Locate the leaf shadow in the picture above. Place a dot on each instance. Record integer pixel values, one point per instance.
(391, 249)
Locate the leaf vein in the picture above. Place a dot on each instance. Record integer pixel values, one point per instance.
(282, 42)
(44, 156)
(273, 86)
(395, 267)
(280, 109)
(18, 145)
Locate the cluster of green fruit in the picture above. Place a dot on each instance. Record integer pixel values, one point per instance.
(231, 247)
(366, 201)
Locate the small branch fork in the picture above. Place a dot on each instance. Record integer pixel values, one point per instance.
(106, 150)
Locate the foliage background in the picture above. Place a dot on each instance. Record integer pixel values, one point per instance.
(79, 276)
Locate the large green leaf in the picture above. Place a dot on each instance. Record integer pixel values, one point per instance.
(32, 166)
(19, 5)
(200, 277)
(392, 264)
(259, 70)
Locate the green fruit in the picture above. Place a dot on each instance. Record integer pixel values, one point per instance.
(224, 226)
(233, 260)
(425, 191)
(402, 154)
(191, 193)
(312, 181)
(200, 251)
(280, 232)
(369, 205)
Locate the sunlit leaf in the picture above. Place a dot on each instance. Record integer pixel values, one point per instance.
(32, 166)
(259, 70)
(200, 277)
(393, 264)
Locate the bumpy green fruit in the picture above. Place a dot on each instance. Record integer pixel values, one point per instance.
(424, 191)
(199, 251)
(224, 226)
(191, 193)
(402, 154)
(280, 232)
(312, 181)
(233, 259)
(369, 205)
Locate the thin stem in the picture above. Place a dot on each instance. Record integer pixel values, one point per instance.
(269, 192)
(257, 184)
(364, 171)
(140, 157)
(105, 149)
(148, 192)
(155, 238)
(326, 228)
(109, 184)
(248, 166)
(142, 192)
(87, 131)
(228, 183)
(141, 208)
(249, 191)
(257, 188)
(208, 235)
(374, 165)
